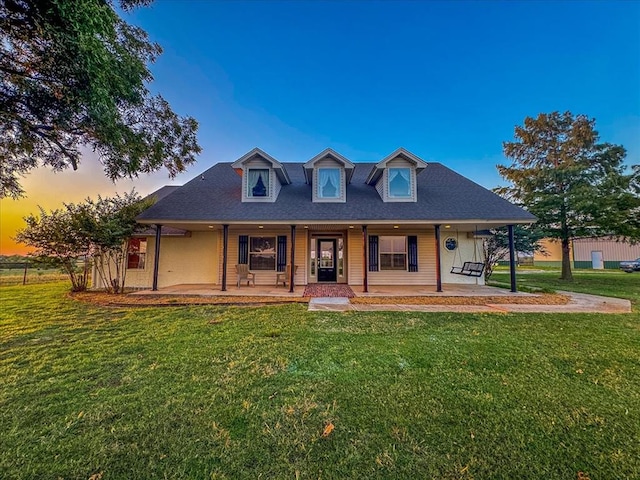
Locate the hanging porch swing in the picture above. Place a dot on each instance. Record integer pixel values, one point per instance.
(470, 269)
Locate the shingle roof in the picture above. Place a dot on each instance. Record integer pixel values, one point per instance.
(443, 196)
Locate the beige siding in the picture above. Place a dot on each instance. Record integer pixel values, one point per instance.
(611, 250)
(426, 274)
(182, 260)
(354, 249)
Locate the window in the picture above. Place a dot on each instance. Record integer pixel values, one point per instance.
(399, 182)
(393, 253)
(136, 253)
(258, 182)
(262, 253)
(328, 183)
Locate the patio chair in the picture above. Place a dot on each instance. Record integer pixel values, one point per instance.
(284, 276)
(243, 273)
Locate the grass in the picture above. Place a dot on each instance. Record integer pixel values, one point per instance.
(610, 283)
(279, 392)
(34, 275)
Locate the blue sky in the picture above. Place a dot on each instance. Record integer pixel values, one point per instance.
(446, 80)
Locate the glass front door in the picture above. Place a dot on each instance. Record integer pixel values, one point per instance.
(326, 260)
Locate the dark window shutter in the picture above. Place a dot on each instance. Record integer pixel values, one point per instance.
(243, 249)
(373, 253)
(282, 253)
(412, 245)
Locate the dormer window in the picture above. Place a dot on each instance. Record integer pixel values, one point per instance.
(258, 182)
(399, 182)
(262, 176)
(394, 177)
(328, 173)
(329, 182)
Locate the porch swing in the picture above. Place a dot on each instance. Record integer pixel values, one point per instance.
(470, 269)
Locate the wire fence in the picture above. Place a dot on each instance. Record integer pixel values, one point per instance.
(27, 273)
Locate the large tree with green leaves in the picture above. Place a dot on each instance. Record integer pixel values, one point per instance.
(92, 229)
(74, 75)
(574, 184)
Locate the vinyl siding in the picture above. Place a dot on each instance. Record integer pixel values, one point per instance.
(464, 253)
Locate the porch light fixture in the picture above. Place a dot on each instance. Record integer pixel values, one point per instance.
(447, 226)
(210, 226)
(351, 226)
(306, 226)
(260, 226)
(396, 226)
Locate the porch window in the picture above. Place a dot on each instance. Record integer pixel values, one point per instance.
(258, 182)
(399, 182)
(262, 253)
(136, 253)
(393, 253)
(328, 183)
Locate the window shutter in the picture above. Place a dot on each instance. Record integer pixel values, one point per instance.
(412, 245)
(243, 249)
(282, 253)
(373, 253)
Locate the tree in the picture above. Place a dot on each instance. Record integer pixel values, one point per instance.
(110, 225)
(91, 229)
(54, 235)
(496, 246)
(573, 184)
(74, 75)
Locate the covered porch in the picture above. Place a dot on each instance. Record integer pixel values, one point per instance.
(448, 290)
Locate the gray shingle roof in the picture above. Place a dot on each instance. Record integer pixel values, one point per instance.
(443, 196)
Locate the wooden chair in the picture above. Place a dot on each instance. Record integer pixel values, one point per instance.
(285, 276)
(243, 273)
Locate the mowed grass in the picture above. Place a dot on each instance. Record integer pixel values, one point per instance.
(232, 393)
(610, 283)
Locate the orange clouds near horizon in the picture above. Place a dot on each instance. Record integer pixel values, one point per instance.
(52, 190)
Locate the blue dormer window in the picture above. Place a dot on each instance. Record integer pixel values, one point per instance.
(328, 183)
(258, 182)
(399, 182)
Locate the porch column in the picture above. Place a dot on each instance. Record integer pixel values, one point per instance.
(293, 258)
(225, 245)
(156, 257)
(438, 261)
(365, 260)
(512, 259)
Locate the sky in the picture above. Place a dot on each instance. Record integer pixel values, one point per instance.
(448, 81)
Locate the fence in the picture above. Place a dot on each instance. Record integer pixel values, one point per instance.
(24, 273)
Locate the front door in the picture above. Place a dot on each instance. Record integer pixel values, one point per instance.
(326, 260)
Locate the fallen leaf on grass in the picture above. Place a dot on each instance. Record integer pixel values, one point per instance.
(328, 429)
(96, 476)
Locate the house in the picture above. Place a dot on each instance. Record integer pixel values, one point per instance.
(399, 221)
(589, 252)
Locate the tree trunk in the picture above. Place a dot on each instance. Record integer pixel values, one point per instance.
(566, 261)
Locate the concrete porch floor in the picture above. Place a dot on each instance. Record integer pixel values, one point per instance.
(448, 290)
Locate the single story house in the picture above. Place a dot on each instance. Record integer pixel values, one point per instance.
(398, 221)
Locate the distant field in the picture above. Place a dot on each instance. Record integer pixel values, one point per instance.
(34, 275)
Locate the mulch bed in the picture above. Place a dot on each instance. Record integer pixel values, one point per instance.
(125, 300)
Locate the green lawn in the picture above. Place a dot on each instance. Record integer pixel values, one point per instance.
(215, 392)
(611, 283)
